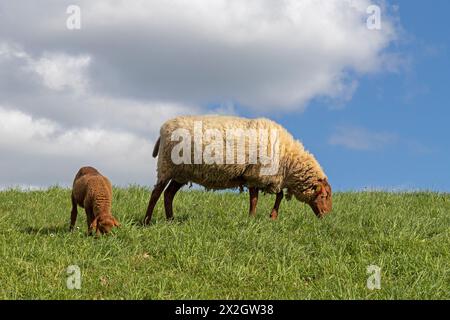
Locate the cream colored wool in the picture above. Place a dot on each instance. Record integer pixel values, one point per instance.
(298, 171)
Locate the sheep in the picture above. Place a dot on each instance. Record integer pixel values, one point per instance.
(93, 192)
(184, 140)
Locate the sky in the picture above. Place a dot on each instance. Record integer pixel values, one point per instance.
(370, 103)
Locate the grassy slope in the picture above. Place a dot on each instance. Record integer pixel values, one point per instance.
(214, 250)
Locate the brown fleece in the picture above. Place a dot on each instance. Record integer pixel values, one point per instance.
(93, 192)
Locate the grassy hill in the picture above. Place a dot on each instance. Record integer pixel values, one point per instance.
(213, 250)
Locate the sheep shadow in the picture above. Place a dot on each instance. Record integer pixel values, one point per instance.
(139, 221)
(49, 231)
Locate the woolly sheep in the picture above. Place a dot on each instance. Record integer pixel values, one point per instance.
(297, 170)
(93, 192)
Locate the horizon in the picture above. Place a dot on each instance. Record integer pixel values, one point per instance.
(364, 91)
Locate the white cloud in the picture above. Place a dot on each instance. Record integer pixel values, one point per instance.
(358, 138)
(60, 71)
(42, 136)
(8, 52)
(135, 116)
(47, 75)
(258, 53)
(56, 124)
(56, 71)
(31, 147)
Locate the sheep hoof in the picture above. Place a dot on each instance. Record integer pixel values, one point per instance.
(274, 215)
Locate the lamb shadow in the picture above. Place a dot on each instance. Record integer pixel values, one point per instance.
(52, 230)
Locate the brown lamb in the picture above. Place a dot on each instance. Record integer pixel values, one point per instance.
(93, 192)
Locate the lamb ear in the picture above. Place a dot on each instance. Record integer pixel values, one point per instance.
(94, 224)
(116, 223)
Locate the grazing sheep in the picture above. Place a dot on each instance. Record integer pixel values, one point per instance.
(184, 140)
(93, 192)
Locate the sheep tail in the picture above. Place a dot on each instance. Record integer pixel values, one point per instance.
(156, 148)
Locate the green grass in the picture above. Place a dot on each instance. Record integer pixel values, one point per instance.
(213, 250)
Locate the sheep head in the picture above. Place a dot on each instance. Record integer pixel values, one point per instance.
(104, 223)
(321, 202)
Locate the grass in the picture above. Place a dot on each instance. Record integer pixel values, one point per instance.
(213, 250)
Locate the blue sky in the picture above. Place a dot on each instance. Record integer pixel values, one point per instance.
(410, 108)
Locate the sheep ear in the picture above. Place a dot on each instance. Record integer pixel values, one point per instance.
(319, 188)
(116, 223)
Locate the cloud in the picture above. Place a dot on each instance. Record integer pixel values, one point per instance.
(51, 123)
(39, 151)
(57, 87)
(358, 138)
(59, 71)
(260, 54)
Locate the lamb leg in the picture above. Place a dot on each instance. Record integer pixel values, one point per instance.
(73, 213)
(89, 218)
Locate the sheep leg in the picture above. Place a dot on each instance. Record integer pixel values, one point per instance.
(253, 200)
(156, 193)
(73, 213)
(169, 194)
(276, 206)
